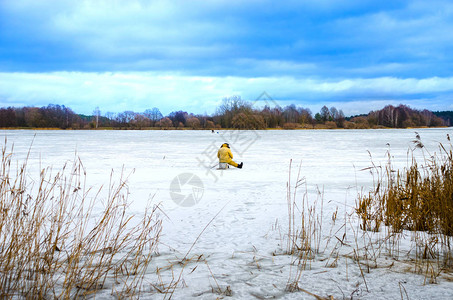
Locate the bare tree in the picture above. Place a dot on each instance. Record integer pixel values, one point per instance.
(193, 122)
(165, 123)
(153, 114)
(325, 114)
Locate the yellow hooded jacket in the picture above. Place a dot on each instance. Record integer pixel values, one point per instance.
(225, 156)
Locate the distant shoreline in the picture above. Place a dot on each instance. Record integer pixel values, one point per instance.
(204, 129)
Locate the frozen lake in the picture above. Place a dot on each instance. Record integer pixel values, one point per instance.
(329, 158)
(251, 202)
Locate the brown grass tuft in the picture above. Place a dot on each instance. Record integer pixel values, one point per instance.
(419, 199)
(53, 245)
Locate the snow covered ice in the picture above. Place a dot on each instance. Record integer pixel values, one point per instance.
(237, 228)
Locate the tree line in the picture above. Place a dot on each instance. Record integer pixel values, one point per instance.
(234, 112)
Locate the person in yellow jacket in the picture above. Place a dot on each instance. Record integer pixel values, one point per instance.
(225, 156)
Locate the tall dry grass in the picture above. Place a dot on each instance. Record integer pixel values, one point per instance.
(416, 202)
(53, 245)
(418, 199)
(305, 222)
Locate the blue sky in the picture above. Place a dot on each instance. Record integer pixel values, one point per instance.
(187, 55)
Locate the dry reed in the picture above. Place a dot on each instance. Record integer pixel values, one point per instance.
(52, 245)
(304, 229)
(418, 199)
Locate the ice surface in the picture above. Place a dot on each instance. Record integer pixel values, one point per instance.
(243, 246)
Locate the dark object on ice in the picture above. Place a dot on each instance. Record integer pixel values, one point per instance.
(240, 165)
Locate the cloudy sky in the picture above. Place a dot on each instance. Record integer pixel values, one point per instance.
(356, 55)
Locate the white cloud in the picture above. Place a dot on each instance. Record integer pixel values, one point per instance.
(136, 54)
(237, 38)
(138, 91)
